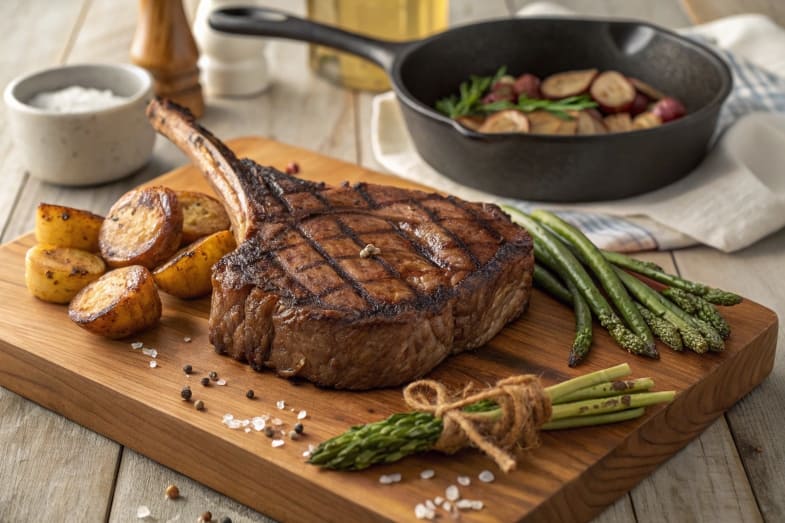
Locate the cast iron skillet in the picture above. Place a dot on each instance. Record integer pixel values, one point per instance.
(531, 166)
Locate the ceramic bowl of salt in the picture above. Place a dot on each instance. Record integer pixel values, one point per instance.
(81, 124)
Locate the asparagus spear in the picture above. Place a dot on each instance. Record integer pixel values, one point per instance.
(592, 256)
(664, 330)
(583, 324)
(556, 256)
(609, 388)
(402, 434)
(661, 307)
(546, 281)
(699, 307)
(717, 296)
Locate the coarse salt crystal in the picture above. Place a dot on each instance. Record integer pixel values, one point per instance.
(234, 424)
(464, 480)
(187, 339)
(447, 506)
(221, 382)
(307, 454)
(438, 500)
(246, 422)
(395, 477)
(227, 417)
(278, 443)
(258, 423)
(430, 504)
(427, 474)
(137, 345)
(462, 504)
(302, 414)
(486, 476)
(384, 479)
(452, 493)
(477, 504)
(280, 404)
(142, 512)
(421, 511)
(153, 364)
(247, 430)
(150, 352)
(276, 421)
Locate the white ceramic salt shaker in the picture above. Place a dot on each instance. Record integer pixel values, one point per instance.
(231, 65)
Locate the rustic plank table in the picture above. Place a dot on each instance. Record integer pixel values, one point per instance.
(54, 470)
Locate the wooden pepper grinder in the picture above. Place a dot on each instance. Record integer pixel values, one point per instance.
(163, 44)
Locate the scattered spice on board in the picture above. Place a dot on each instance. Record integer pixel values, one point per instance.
(221, 382)
(427, 474)
(205, 381)
(187, 339)
(249, 394)
(199, 405)
(206, 517)
(486, 476)
(188, 369)
(143, 512)
(302, 415)
(299, 428)
(292, 168)
(464, 481)
(185, 393)
(280, 404)
(153, 364)
(172, 492)
(147, 351)
(137, 345)
(213, 375)
(278, 443)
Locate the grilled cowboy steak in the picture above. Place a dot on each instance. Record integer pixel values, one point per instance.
(300, 296)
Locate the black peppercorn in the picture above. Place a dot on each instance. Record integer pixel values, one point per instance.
(213, 375)
(269, 432)
(186, 393)
(298, 428)
(205, 381)
(226, 519)
(249, 394)
(188, 369)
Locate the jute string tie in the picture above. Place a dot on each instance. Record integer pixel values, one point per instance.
(524, 406)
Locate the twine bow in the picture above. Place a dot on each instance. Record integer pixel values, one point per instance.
(524, 407)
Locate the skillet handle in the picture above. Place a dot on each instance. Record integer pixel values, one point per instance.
(261, 21)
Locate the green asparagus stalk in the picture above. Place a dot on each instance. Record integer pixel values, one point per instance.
(604, 271)
(661, 307)
(549, 283)
(716, 296)
(664, 330)
(700, 308)
(612, 404)
(557, 257)
(609, 388)
(402, 434)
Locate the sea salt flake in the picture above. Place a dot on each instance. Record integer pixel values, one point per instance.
(147, 351)
(420, 511)
(447, 506)
(307, 454)
(153, 364)
(430, 504)
(227, 417)
(234, 424)
(258, 423)
(452, 493)
(137, 345)
(464, 480)
(427, 474)
(246, 422)
(486, 476)
(438, 500)
(395, 477)
(280, 404)
(477, 504)
(247, 430)
(221, 382)
(384, 479)
(463, 504)
(187, 339)
(276, 421)
(302, 414)
(278, 443)
(143, 512)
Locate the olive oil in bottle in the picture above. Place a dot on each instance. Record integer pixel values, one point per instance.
(395, 20)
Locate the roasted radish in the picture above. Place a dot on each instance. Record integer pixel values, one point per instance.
(509, 121)
(504, 92)
(645, 89)
(669, 109)
(639, 104)
(527, 85)
(570, 83)
(646, 120)
(618, 123)
(612, 92)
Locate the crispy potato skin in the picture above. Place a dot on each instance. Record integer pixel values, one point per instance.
(57, 274)
(203, 215)
(67, 227)
(144, 227)
(188, 274)
(120, 303)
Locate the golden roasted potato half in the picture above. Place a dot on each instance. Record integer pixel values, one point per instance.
(56, 274)
(202, 215)
(123, 301)
(188, 273)
(143, 227)
(67, 227)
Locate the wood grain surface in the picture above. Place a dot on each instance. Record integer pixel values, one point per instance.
(108, 387)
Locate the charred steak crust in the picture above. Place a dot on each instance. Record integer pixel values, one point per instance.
(298, 296)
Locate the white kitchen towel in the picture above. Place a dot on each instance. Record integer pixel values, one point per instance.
(734, 198)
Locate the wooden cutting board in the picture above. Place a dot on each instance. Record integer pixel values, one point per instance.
(110, 388)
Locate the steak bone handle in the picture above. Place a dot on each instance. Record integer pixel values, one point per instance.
(209, 154)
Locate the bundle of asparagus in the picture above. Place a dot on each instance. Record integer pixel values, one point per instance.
(484, 419)
(681, 315)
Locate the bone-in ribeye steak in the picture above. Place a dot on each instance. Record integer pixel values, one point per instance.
(298, 296)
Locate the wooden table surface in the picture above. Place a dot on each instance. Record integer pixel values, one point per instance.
(54, 470)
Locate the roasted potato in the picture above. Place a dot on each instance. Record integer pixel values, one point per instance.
(123, 301)
(56, 274)
(143, 227)
(188, 273)
(202, 215)
(67, 227)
